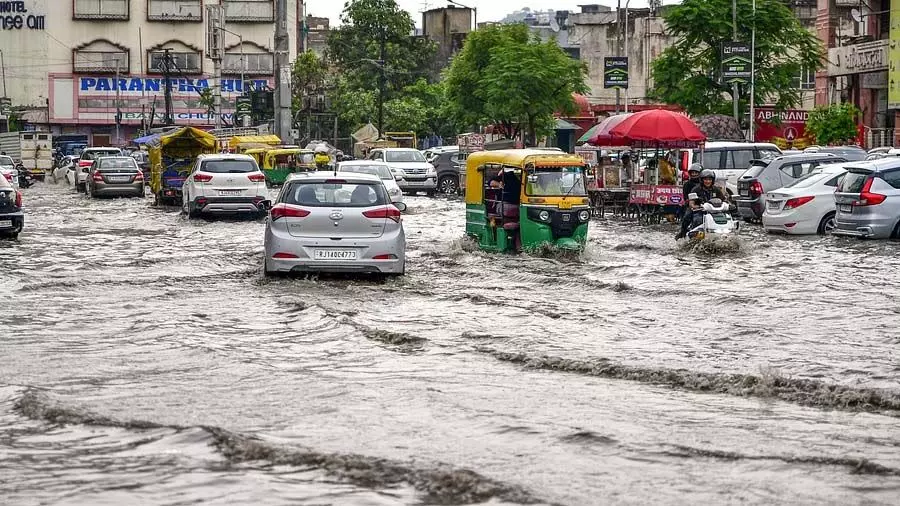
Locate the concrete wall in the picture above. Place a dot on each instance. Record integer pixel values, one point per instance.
(30, 55)
(447, 28)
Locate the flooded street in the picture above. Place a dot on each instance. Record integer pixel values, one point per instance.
(147, 361)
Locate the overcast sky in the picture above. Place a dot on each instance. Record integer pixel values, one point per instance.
(488, 10)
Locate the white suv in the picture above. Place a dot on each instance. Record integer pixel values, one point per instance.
(224, 183)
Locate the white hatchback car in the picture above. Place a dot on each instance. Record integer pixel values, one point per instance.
(224, 183)
(322, 222)
(379, 169)
(805, 206)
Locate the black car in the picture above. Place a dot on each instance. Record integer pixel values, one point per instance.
(143, 161)
(447, 165)
(11, 217)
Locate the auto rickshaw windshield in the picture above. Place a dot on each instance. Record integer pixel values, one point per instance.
(556, 181)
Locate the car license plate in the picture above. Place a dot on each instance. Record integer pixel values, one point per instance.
(335, 254)
(745, 193)
(119, 179)
(773, 204)
(229, 193)
(844, 208)
(415, 183)
(5, 223)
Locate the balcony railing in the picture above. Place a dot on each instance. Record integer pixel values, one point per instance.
(250, 10)
(175, 10)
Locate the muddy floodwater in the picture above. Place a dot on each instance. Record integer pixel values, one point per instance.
(145, 360)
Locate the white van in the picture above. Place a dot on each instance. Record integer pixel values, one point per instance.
(730, 159)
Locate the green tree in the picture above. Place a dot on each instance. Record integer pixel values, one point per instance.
(689, 72)
(355, 46)
(507, 77)
(354, 107)
(833, 124)
(208, 101)
(309, 77)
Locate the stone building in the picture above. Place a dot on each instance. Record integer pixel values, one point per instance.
(447, 27)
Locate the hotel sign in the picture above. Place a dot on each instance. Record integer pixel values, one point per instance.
(858, 58)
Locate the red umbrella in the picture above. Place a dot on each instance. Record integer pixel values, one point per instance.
(659, 127)
(600, 133)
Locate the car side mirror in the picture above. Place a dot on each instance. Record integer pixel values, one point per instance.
(401, 206)
(397, 177)
(266, 204)
(532, 179)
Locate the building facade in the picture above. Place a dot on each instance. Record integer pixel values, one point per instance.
(73, 61)
(447, 27)
(314, 35)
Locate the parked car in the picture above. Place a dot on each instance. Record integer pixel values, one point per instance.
(730, 159)
(416, 174)
(764, 177)
(143, 160)
(379, 169)
(11, 217)
(323, 222)
(447, 165)
(63, 166)
(115, 176)
(224, 183)
(849, 153)
(432, 153)
(805, 206)
(8, 170)
(881, 150)
(868, 200)
(86, 160)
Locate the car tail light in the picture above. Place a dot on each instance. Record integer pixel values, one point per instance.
(797, 202)
(282, 254)
(139, 176)
(285, 211)
(8, 177)
(98, 177)
(756, 188)
(386, 256)
(202, 178)
(18, 199)
(391, 213)
(256, 178)
(336, 181)
(866, 197)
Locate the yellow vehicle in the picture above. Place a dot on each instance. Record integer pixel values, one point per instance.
(544, 201)
(241, 143)
(401, 139)
(172, 155)
(280, 162)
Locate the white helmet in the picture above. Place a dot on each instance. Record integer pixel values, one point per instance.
(321, 149)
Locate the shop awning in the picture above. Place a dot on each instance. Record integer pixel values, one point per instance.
(140, 141)
(562, 124)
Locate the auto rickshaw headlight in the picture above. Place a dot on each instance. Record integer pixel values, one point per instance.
(584, 215)
(544, 215)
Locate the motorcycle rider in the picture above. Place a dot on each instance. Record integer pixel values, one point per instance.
(321, 158)
(705, 191)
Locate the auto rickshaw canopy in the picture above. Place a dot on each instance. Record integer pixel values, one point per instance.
(187, 141)
(268, 140)
(511, 158)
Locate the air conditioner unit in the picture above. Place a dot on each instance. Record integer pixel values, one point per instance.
(847, 3)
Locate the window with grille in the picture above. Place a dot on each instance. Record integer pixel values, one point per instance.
(101, 9)
(175, 10)
(100, 56)
(187, 62)
(806, 80)
(249, 10)
(254, 63)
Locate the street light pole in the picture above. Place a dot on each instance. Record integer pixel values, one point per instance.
(734, 33)
(381, 85)
(753, 77)
(625, 36)
(118, 112)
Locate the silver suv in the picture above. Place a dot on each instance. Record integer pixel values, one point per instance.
(764, 177)
(868, 200)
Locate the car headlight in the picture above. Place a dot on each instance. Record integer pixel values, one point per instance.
(544, 215)
(394, 191)
(584, 215)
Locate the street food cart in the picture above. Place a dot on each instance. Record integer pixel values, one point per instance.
(610, 187)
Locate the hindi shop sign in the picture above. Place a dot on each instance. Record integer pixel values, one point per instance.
(736, 64)
(858, 58)
(662, 195)
(16, 16)
(615, 72)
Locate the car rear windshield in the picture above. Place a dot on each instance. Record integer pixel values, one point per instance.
(5, 160)
(403, 156)
(755, 170)
(228, 166)
(768, 154)
(376, 170)
(853, 181)
(117, 164)
(94, 154)
(807, 180)
(335, 194)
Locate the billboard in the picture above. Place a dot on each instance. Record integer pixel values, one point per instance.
(894, 57)
(787, 129)
(615, 72)
(736, 64)
(91, 99)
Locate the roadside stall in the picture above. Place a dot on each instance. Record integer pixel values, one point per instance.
(614, 167)
(171, 157)
(661, 134)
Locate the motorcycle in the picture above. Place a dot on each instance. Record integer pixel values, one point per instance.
(713, 218)
(26, 179)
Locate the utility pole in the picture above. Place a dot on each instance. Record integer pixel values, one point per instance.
(118, 110)
(282, 73)
(215, 19)
(3, 70)
(167, 76)
(753, 77)
(382, 83)
(619, 39)
(734, 86)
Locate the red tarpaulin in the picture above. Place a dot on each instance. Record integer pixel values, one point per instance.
(659, 127)
(599, 134)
